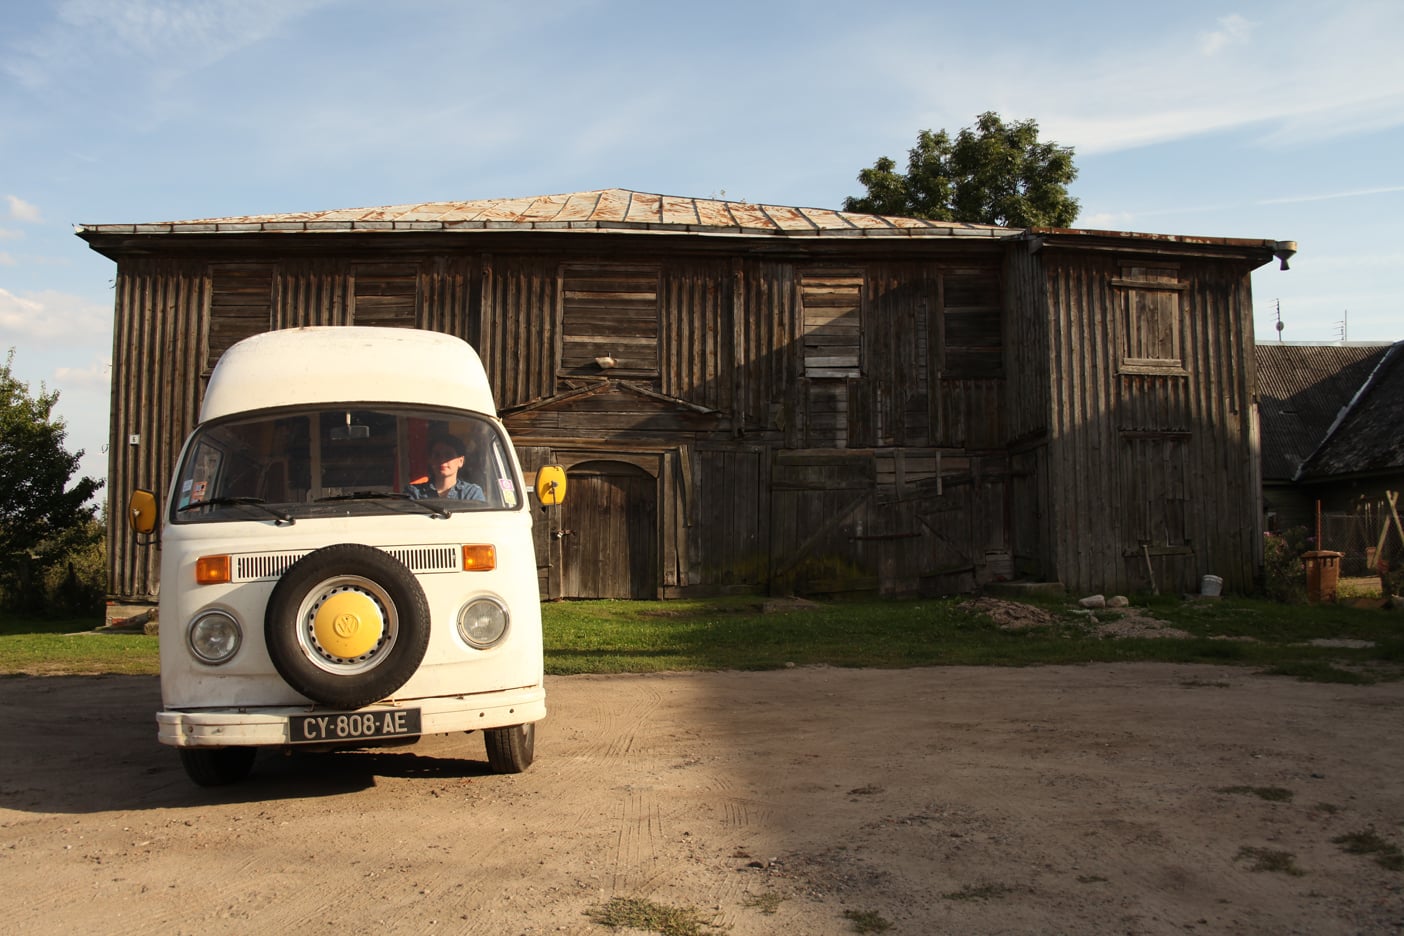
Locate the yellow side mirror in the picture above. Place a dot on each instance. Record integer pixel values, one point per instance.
(141, 512)
(550, 485)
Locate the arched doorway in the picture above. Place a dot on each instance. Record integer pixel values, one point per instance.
(611, 550)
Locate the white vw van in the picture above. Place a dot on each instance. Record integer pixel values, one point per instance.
(322, 583)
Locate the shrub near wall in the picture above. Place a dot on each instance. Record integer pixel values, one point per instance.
(1284, 575)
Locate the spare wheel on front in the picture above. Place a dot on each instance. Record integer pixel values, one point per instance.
(347, 625)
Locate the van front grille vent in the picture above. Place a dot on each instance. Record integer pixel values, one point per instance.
(422, 560)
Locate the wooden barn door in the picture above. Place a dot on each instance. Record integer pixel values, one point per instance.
(611, 511)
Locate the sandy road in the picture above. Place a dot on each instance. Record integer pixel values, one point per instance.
(1045, 800)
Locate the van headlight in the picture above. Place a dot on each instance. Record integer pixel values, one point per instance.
(482, 623)
(215, 637)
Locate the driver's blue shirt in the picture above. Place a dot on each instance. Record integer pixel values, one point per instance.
(462, 490)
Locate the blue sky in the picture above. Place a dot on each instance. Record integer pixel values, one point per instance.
(1276, 120)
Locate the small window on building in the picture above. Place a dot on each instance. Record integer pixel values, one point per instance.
(972, 325)
(609, 321)
(241, 306)
(386, 294)
(833, 335)
(1149, 298)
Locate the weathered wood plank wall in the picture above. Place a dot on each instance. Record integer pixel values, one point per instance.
(830, 420)
(1150, 422)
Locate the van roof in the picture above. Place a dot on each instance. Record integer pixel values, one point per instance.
(347, 364)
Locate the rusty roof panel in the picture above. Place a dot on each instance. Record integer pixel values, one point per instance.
(579, 207)
(545, 208)
(624, 210)
(679, 210)
(644, 208)
(790, 219)
(751, 217)
(713, 213)
(612, 205)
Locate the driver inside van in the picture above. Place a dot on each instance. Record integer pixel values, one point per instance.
(446, 456)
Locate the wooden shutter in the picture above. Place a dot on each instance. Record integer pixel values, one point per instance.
(241, 305)
(972, 326)
(833, 320)
(1149, 314)
(386, 294)
(609, 312)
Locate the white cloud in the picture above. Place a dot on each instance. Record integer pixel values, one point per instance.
(51, 316)
(22, 210)
(1339, 76)
(1233, 30)
(97, 375)
(6, 259)
(1353, 193)
(162, 37)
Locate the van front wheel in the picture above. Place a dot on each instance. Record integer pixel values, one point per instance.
(510, 750)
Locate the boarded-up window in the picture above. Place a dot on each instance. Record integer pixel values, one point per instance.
(833, 336)
(1150, 319)
(972, 325)
(609, 321)
(386, 294)
(1154, 471)
(241, 305)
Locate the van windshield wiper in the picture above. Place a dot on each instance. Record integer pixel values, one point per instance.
(437, 511)
(282, 517)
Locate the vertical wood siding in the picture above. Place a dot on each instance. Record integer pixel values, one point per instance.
(899, 424)
(696, 335)
(1150, 466)
(312, 292)
(159, 349)
(520, 327)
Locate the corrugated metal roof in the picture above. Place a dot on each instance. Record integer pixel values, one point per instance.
(607, 209)
(1302, 389)
(1370, 436)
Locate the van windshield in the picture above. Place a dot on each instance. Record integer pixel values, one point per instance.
(338, 460)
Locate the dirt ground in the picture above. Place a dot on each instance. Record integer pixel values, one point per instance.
(1106, 798)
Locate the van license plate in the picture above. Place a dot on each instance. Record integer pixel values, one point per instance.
(353, 726)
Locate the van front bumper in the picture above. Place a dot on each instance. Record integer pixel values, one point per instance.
(261, 726)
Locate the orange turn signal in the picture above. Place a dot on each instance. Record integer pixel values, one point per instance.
(212, 570)
(479, 557)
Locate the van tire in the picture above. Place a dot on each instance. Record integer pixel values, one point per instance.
(369, 574)
(510, 750)
(217, 766)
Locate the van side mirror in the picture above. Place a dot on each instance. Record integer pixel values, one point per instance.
(142, 511)
(550, 485)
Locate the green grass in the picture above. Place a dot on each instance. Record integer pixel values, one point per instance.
(1368, 842)
(1270, 860)
(51, 646)
(638, 914)
(866, 921)
(1269, 793)
(737, 633)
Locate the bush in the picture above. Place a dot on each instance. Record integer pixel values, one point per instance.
(1284, 576)
(66, 576)
(77, 584)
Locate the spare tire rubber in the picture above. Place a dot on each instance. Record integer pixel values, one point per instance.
(347, 625)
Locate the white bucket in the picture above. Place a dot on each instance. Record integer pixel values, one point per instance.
(1211, 586)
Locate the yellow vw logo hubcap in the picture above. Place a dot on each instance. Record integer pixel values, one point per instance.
(348, 625)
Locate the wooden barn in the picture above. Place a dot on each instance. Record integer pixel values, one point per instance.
(760, 398)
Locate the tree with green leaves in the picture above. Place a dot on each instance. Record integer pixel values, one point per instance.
(42, 518)
(992, 173)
